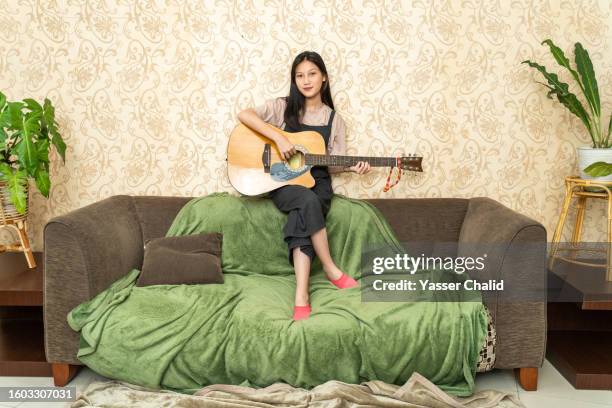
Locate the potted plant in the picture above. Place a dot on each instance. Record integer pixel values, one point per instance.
(595, 161)
(27, 131)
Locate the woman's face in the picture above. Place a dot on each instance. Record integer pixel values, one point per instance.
(308, 78)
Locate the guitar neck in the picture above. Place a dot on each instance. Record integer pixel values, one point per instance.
(334, 160)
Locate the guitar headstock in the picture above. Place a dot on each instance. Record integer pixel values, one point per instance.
(412, 162)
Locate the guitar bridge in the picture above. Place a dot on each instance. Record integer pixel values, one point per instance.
(266, 157)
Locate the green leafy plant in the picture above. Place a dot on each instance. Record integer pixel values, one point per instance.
(584, 75)
(599, 169)
(27, 131)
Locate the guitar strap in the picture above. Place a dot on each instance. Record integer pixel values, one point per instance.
(399, 175)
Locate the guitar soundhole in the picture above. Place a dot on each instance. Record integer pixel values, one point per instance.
(296, 161)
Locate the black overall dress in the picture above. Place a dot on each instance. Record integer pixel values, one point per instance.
(306, 208)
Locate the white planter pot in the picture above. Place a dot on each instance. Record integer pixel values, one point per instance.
(588, 155)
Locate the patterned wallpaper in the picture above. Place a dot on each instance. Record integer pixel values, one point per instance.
(147, 92)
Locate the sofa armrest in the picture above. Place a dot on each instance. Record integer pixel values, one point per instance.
(85, 251)
(516, 249)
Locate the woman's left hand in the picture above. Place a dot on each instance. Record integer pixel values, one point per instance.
(360, 168)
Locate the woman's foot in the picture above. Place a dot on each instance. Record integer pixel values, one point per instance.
(339, 278)
(301, 312)
(344, 282)
(332, 272)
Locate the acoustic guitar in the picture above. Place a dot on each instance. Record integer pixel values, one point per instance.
(255, 166)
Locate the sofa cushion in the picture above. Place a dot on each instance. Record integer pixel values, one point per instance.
(156, 214)
(423, 219)
(190, 259)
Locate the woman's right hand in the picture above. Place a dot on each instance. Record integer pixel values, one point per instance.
(285, 147)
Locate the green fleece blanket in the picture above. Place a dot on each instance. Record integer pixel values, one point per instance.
(184, 337)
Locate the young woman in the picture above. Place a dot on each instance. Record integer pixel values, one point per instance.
(309, 106)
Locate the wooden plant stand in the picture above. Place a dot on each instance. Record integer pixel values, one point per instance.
(583, 189)
(10, 218)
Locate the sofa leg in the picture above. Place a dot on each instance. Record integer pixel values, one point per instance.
(63, 373)
(527, 377)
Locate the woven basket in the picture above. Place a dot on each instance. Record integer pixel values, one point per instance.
(8, 212)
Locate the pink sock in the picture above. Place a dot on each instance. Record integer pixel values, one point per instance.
(344, 282)
(301, 312)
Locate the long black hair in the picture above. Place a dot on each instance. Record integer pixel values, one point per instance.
(295, 100)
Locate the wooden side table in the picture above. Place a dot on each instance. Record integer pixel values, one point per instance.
(583, 189)
(22, 346)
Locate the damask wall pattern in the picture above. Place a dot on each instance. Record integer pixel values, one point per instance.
(147, 92)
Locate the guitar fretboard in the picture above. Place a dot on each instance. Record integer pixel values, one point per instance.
(334, 160)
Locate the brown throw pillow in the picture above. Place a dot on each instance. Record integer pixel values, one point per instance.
(187, 259)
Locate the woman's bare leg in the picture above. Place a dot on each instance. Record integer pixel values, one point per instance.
(321, 247)
(301, 264)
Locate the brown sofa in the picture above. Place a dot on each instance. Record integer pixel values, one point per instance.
(88, 248)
